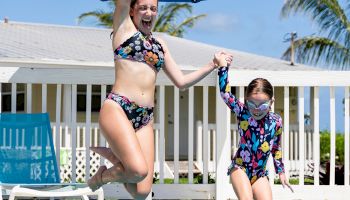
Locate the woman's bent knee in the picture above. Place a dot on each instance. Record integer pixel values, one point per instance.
(136, 175)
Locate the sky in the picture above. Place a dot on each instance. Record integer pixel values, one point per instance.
(253, 26)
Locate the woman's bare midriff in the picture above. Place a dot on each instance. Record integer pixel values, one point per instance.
(136, 81)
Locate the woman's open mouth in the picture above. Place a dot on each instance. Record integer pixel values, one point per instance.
(147, 23)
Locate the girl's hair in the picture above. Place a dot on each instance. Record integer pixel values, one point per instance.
(132, 3)
(259, 85)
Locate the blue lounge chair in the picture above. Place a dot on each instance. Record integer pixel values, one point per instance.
(28, 166)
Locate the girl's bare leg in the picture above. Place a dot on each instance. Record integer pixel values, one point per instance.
(241, 184)
(262, 189)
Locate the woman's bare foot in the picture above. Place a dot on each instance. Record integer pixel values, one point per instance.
(106, 153)
(95, 181)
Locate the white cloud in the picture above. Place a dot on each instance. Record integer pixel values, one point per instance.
(216, 23)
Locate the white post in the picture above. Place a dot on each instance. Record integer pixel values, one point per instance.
(58, 122)
(74, 132)
(29, 98)
(156, 150)
(44, 98)
(301, 134)
(316, 137)
(199, 149)
(332, 127)
(285, 134)
(234, 140)
(346, 137)
(88, 131)
(190, 133)
(176, 134)
(291, 147)
(223, 151)
(205, 135)
(309, 145)
(214, 146)
(67, 103)
(13, 98)
(102, 142)
(162, 132)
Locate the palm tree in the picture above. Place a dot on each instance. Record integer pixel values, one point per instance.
(169, 19)
(104, 18)
(332, 49)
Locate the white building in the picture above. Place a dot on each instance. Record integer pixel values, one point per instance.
(60, 70)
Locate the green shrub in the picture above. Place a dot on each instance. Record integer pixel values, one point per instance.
(325, 140)
(199, 178)
(295, 181)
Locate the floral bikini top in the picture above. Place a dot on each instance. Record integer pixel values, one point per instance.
(143, 49)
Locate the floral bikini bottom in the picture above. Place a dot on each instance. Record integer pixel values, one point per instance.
(252, 174)
(137, 115)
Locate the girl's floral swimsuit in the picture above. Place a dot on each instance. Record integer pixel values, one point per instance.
(142, 49)
(257, 137)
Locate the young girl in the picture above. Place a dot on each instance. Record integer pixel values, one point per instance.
(260, 134)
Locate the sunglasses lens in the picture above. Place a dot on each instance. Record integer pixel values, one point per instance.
(262, 107)
(251, 105)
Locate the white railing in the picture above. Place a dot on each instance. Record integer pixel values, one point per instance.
(66, 150)
(214, 144)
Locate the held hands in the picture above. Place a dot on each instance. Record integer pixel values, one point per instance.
(222, 59)
(284, 181)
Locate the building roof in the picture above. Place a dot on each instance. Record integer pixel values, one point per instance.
(74, 45)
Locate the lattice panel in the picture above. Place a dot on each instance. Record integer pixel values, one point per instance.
(66, 165)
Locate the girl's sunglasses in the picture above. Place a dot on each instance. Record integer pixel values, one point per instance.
(262, 107)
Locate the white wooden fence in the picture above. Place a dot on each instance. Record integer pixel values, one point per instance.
(70, 78)
(95, 160)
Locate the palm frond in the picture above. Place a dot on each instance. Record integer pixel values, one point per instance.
(104, 18)
(169, 13)
(164, 10)
(329, 15)
(179, 30)
(318, 50)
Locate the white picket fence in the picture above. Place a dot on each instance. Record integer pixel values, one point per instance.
(95, 160)
(296, 145)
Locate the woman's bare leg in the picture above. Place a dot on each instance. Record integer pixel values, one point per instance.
(262, 189)
(141, 189)
(241, 184)
(124, 144)
(106, 153)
